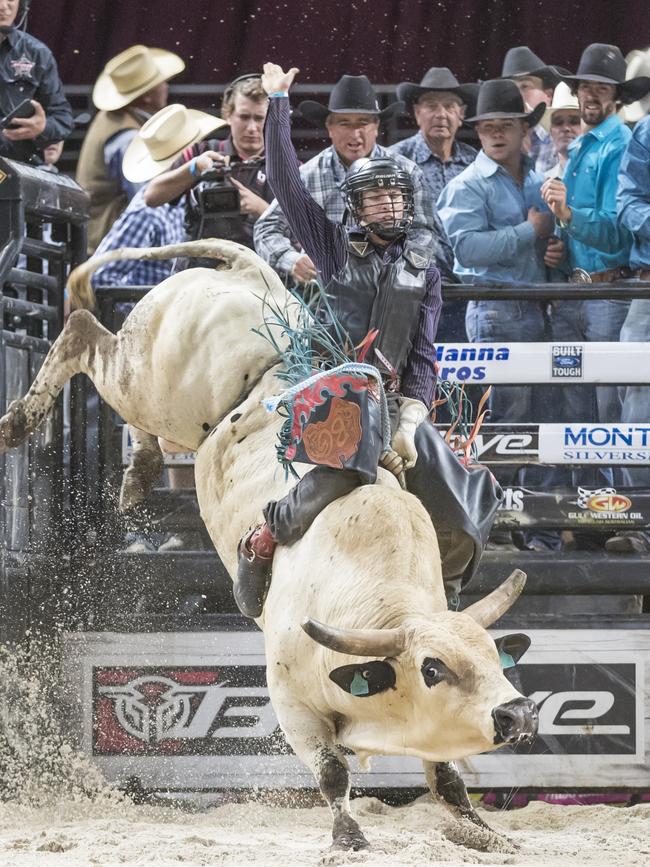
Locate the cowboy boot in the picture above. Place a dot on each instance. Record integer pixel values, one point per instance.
(254, 564)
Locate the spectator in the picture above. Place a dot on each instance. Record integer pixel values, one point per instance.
(132, 87)
(597, 245)
(439, 104)
(563, 122)
(499, 229)
(155, 147)
(244, 107)
(638, 63)
(633, 204)
(536, 82)
(352, 119)
(28, 71)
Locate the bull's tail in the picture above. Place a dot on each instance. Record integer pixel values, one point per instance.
(80, 290)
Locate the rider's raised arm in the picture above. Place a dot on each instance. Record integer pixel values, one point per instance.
(324, 241)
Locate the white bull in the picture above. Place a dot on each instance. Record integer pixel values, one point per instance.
(380, 665)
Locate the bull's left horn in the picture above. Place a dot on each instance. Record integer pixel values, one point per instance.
(488, 610)
(357, 642)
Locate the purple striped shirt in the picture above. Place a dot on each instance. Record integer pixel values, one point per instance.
(326, 243)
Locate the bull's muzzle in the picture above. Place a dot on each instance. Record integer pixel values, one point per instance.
(516, 721)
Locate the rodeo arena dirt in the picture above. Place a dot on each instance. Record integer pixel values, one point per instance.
(324, 485)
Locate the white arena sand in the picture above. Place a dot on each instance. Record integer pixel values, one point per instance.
(108, 831)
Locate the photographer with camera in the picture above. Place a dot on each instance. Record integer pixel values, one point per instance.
(224, 182)
(33, 110)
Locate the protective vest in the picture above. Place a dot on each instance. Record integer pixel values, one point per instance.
(107, 199)
(368, 294)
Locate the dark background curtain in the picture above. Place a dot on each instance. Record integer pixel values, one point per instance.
(388, 40)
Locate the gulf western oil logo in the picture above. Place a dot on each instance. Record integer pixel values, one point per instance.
(608, 503)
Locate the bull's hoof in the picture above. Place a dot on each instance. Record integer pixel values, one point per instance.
(139, 478)
(466, 832)
(350, 841)
(13, 426)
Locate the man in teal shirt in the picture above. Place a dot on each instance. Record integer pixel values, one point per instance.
(597, 245)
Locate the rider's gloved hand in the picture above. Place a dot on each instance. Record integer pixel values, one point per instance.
(412, 413)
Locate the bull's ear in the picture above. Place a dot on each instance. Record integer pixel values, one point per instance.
(363, 680)
(511, 648)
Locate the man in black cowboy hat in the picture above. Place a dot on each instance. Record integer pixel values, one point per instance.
(352, 119)
(439, 104)
(584, 204)
(536, 82)
(499, 228)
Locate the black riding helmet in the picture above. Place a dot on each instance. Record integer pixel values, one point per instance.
(379, 173)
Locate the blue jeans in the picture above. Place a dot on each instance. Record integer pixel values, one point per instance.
(503, 322)
(636, 401)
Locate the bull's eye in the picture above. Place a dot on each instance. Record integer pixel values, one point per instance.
(433, 671)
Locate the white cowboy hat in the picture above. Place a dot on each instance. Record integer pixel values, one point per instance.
(163, 138)
(638, 63)
(563, 98)
(132, 73)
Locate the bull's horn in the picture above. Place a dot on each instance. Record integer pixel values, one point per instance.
(357, 642)
(488, 610)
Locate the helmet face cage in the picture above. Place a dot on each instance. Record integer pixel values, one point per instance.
(384, 175)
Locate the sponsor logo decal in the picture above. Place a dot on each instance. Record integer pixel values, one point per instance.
(584, 709)
(190, 710)
(566, 361)
(22, 67)
(603, 504)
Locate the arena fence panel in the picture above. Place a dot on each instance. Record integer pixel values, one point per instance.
(43, 234)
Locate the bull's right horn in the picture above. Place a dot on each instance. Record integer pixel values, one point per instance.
(488, 610)
(357, 642)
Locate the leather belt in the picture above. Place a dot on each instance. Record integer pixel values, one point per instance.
(621, 273)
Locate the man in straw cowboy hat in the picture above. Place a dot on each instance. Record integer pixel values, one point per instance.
(244, 108)
(28, 72)
(131, 88)
(351, 118)
(562, 120)
(152, 151)
(584, 204)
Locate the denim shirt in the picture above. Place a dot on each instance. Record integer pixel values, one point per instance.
(485, 214)
(594, 238)
(633, 197)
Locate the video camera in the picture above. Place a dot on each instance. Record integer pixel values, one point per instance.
(214, 207)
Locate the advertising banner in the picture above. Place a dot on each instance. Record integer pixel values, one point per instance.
(190, 711)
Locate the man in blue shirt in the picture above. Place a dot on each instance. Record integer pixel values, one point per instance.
(499, 229)
(584, 203)
(633, 203)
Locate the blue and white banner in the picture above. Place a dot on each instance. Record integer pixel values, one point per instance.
(534, 363)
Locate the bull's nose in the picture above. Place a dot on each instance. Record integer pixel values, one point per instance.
(515, 720)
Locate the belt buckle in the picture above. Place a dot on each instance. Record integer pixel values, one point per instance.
(579, 275)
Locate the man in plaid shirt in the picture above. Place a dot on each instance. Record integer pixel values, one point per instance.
(352, 122)
(140, 226)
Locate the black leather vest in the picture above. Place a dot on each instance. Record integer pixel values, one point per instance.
(366, 294)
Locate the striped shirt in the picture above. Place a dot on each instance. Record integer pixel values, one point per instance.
(323, 175)
(326, 243)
